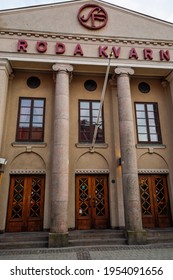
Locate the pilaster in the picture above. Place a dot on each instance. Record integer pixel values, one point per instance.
(169, 78)
(117, 192)
(5, 71)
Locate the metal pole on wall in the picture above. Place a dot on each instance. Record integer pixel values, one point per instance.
(101, 104)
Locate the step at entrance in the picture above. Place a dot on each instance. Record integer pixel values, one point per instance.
(76, 238)
(96, 237)
(107, 237)
(23, 240)
(164, 235)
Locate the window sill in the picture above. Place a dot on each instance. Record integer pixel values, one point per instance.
(29, 144)
(150, 146)
(88, 145)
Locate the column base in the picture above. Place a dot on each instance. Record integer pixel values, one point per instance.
(136, 237)
(57, 240)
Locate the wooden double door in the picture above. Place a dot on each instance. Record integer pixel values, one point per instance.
(25, 206)
(92, 202)
(155, 201)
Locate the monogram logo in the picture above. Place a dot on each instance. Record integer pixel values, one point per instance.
(92, 16)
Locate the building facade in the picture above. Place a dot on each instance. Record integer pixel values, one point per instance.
(86, 120)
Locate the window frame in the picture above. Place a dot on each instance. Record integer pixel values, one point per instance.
(30, 128)
(91, 130)
(157, 123)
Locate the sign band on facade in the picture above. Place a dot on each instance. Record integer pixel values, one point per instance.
(132, 53)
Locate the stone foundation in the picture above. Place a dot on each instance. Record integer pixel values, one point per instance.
(57, 240)
(136, 237)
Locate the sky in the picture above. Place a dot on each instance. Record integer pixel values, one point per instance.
(162, 9)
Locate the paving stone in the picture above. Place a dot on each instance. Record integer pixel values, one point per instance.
(124, 252)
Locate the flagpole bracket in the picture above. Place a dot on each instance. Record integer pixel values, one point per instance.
(92, 149)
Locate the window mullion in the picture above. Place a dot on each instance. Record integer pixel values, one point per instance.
(156, 117)
(31, 119)
(91, 121)
(147, 123)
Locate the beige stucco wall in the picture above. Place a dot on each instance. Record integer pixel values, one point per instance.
(26, 157)
(64, 15)
(104, 156)
(157, 157)
(162, 96)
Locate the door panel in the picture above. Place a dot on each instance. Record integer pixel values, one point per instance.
(36, 202)
(91, 202)
(100, 200)
(155, 201)
(83, 202)
(163, 213)
(25, 207)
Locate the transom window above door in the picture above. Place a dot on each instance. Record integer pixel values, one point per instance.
(30, 126)
(147, 122)
(88, 112)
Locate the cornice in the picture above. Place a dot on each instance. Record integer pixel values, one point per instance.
(78, 37)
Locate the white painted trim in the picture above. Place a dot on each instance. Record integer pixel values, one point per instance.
(87, 61)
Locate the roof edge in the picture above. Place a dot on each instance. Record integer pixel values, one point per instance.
(75, 1)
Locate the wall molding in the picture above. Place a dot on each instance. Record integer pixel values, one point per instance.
(28, 171)
(92, 171)
(72, 37)
(153, 171)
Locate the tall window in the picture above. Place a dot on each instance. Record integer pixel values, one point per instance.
(88, 112)
(30, 126)
(148, 125)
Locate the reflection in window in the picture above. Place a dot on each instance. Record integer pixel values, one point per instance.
(30, 119)
(147, 120)
(88, 112)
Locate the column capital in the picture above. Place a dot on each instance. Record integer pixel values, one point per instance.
(124, 71)
(62, 67)
(164, 83)
(5, 65)
(169, 78)
(113, 82)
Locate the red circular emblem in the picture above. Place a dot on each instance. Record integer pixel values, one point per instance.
(92, 16)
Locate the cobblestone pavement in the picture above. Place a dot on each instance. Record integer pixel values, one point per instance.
(123, 252)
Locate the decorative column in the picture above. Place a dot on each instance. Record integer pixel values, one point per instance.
(5, 71)
(169, 78)
(60, 158)
(168, 91)
(132, 207)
